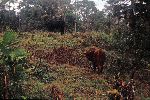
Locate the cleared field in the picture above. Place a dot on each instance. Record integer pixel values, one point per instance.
(57, 60)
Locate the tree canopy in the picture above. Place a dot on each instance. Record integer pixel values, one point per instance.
(32, 14)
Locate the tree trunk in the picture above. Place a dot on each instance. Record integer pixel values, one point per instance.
(5, 89)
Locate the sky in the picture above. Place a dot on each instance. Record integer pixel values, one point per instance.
(99, 4)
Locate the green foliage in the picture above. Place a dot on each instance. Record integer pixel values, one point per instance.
(88, 17)
(87, 12)
(70, 21)
(131, 29)
(33, 89)
(75, 82)
(147, 98)
(8, 48)
(107, 38)
(9, 37)
(11, 62)
(23, 97)
(44, 74)
(18, 54)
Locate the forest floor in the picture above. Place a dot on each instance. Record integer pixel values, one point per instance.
(58, 60)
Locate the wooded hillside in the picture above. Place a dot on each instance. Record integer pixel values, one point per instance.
(44, 45)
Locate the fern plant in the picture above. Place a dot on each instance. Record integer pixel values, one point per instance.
(11, 58)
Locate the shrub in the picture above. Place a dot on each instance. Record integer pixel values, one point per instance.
(11, 62)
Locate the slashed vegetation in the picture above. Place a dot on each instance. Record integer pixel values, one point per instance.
(61, 70)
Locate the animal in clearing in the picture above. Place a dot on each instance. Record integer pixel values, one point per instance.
(97, 57)
(55, 26)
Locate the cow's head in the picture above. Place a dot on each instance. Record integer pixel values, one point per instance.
(89, 53)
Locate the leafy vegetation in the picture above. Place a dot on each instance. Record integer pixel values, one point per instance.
(11, 66)
(43, 71)
(37, 64)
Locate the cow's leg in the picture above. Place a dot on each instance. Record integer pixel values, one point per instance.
(102, 67)
(94, 66)
(63, 30)
(99, 69)
(91, 65)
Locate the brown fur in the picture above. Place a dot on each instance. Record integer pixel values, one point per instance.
(97, 56)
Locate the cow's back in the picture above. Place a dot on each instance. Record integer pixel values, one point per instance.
(100, 56)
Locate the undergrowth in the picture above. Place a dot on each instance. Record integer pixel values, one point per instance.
(58, 60)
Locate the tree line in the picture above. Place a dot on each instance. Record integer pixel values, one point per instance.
(32, 15)
(130, 25)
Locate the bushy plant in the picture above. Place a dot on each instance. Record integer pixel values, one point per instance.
(12, 59)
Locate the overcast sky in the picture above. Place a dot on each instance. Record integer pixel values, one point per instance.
(99, 4)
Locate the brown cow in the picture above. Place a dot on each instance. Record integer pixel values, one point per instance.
(97, 57)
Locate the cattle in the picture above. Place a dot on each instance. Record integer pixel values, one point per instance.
(97, 57)
(55, 26)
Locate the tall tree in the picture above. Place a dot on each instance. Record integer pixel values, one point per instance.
(86, 10)
(134, 36)
(8, 17)
(34, 13)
